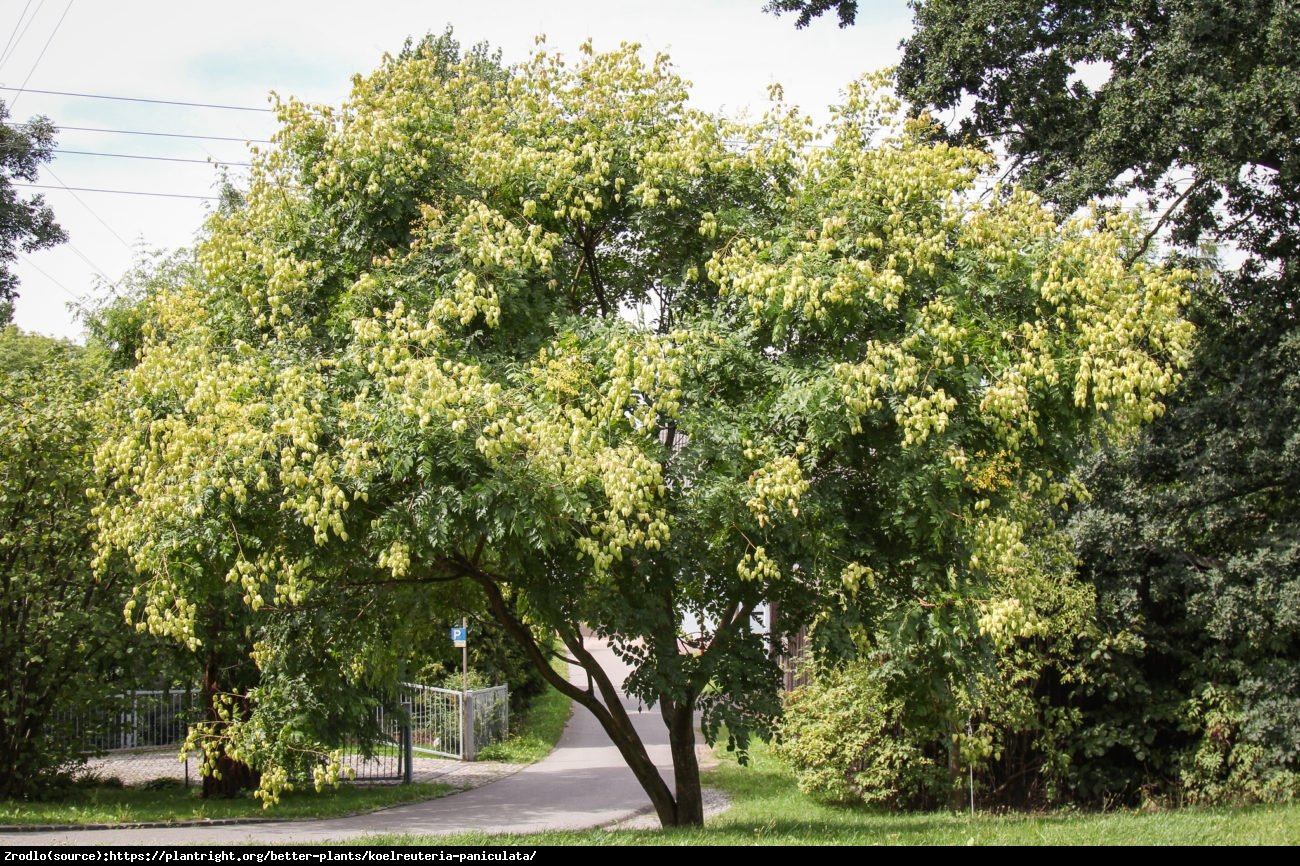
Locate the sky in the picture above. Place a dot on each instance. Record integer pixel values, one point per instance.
(236, 53)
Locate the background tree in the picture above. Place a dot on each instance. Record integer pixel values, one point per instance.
(1191, 542)
(1196, 113)
(62, 645)
(549, 341)
(1197, 107)
(26, 223)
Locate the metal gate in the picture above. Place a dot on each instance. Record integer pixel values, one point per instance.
(453, 724)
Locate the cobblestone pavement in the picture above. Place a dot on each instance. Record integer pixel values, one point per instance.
(138, 767)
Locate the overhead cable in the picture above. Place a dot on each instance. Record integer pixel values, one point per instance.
(141, 99)
(4, 55)
(211, 161)
(88, 208)
(158, 134)
(41, 56)
(117, 191)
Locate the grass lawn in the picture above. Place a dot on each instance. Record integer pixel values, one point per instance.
(539, 729)
(767, 808)
(105, 804)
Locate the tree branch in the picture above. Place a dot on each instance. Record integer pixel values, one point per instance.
(593, 272)
(611, 714)
(524, 637)
(1164, 218)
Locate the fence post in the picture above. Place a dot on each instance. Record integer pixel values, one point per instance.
(408, 759)
(467, 744)
(128, 730)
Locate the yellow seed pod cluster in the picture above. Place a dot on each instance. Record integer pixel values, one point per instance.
(855, 576)
(1005, 620)
(776, 487)
(756, 566)
(331, 772)
(274, 784)
(997, 545)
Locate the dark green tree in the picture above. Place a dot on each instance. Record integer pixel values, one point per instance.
(1198, 108)
(807, 10)
(26, 223)
(1193, 544)
(61, 629)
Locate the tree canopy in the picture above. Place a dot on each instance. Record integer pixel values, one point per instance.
(547, 337)
(26, 222)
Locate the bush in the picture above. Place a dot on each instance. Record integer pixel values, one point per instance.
(847, 741)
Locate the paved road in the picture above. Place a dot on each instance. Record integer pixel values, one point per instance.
(583, 783)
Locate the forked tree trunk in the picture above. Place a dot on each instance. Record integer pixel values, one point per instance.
(606, 704)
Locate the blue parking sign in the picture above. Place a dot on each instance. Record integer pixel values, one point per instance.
(459, 635)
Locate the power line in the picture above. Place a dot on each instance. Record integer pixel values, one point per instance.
(81, 299)
(213, 161)
(88, 208)
(28, 26)
(41, 56)
(4, 55)
(142, 99)
(118, 192)
(159, 134)
(94, 267)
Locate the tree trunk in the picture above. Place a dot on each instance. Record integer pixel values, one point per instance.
(957, 794)
(680, 719)
(608, 710)
(229, 777)
(614, 719)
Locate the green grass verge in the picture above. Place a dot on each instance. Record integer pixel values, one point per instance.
(768, 808)
(100, 804)
(539, 729)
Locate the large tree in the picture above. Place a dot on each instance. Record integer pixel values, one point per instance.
(552, 339)
(26, 222)
(1194, 104)
(1190, 539)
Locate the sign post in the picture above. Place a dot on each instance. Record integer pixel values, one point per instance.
(460, 638)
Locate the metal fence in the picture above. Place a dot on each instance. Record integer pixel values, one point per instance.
(138, 739)
(137, 720)
(438, 719)
(135, 736)
(490, 710)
